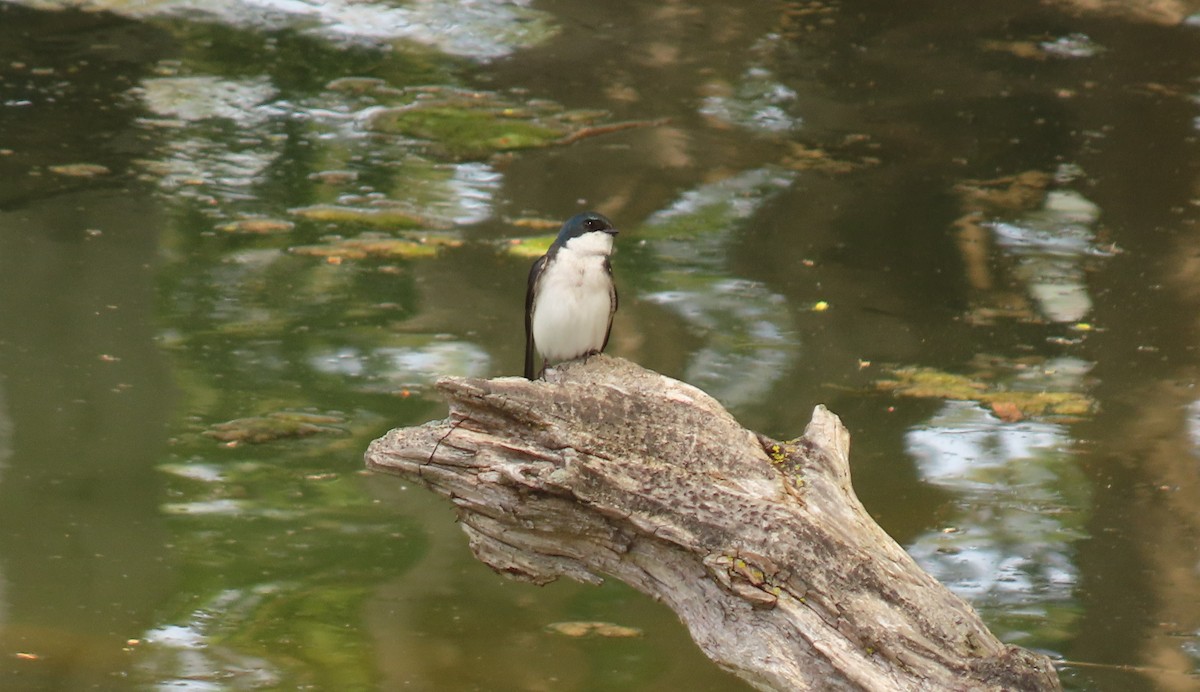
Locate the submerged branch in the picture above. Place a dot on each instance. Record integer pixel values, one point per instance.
(597, 130)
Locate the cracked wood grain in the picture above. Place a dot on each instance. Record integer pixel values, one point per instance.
(761, 547)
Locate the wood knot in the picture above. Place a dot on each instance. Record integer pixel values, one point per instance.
(748, 575)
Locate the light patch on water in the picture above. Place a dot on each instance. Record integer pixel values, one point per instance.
(1062, 227)
(178, 636)
(202, 97)
(221, 137)
(464, 28)
(198, 161)
(224, 507)
(1022, 504)
(715, 207)
(1067, 173)
(757, 102)
(405, 365)
(747, 345)
(1051, 246)
(747, 329)
(965, 448)
(462, 193)
(1072, 46)
(1193, 425)
(474, 187)
(195, 166)
(204, 473)
(186, 657)
(1191, 647)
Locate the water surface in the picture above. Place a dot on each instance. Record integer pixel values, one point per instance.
(228, 212)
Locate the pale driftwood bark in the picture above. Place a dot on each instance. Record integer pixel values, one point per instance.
(761, 547)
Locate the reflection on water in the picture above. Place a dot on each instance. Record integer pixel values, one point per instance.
(1020, 503)
(391, 368)
(1193, 424)
(455, 27)
(184, 659)
(202, 97)
(1072, 46)
(182, 185)
(199, 113)
(1051, 246)
(745, 328)
(758, 100)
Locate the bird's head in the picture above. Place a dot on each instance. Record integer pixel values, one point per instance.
(588, 233)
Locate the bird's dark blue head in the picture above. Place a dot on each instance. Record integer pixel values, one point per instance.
(582, 224)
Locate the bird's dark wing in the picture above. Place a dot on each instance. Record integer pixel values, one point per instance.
(612, 295)
(535, 275)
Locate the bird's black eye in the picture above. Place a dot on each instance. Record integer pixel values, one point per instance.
(594, 224)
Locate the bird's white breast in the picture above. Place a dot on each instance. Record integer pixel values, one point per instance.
(572, 306)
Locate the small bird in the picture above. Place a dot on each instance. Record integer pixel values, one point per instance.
(571, 298)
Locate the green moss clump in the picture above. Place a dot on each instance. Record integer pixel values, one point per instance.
(470, 125)
(934, 384)
(464, 133)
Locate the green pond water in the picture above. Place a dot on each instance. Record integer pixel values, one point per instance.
(239, 241)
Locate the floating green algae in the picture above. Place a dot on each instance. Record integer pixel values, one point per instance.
(380, 216)
(274, 426)
(531, 247)
(1009, 400)
(379, 246)
(256, 226)
(470, 125)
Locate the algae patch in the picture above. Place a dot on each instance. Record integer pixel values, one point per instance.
(379, 246)
(530, 248)
(591, 628)
(1010, 396)
(275, 426)
(382, 216)
(256, 226)
(463, 125)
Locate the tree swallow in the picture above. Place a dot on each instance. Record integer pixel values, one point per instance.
(571, 298)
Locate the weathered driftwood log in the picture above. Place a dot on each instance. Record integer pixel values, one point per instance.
(760, 546)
